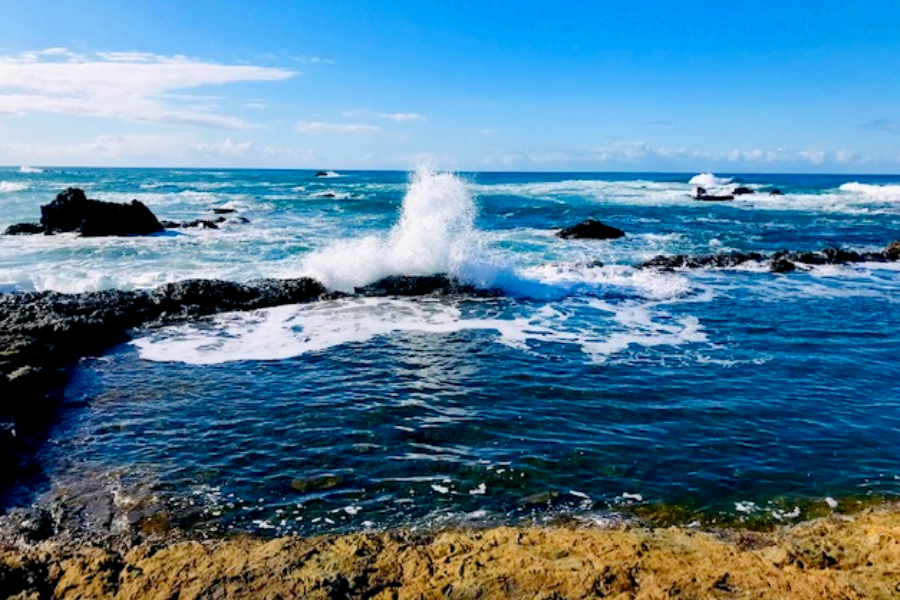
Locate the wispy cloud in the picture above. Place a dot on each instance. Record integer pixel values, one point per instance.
(318, 127)
(883, 125)
(401, 117)
(155, 149)
(135, 86)
(640, 155)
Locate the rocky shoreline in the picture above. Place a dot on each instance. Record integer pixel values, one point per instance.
(43, 333)
(41, 556)
(835, 557)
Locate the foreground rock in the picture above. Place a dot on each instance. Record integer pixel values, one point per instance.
(592, 230)
(779, 262)
(837, 557)
(40, 333)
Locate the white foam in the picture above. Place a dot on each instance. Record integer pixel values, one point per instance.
(598, 328)
(8, 187)
(888, 192)
(30, 170)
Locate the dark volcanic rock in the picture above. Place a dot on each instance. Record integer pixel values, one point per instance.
(590, 229)
(24, 229)
(72, 211)
(204, 223)
(780, 262)
(781, 265)
(222, 211)
(741, 191)
(892, 252)
(321, 174)
(712, 198)
(412, 285)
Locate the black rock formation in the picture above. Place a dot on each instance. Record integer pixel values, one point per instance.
(590, 229)
(780, 262)
(73, 211)
(24, 229)
(741, 191)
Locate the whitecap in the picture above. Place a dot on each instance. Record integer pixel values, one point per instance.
(708, 180)
(8, 187)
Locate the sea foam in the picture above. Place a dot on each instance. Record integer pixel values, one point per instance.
(8, 187)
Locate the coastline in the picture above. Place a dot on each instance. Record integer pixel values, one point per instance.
(834, 557)
(838, 556)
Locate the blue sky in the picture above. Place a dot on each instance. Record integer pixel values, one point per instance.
(488, 85)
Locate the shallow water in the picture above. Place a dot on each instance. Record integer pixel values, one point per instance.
(583, 390)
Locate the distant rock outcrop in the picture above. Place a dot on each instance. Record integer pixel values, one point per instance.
(592, 230)
(741, 191)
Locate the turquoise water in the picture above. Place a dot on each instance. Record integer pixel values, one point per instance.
(584, 390)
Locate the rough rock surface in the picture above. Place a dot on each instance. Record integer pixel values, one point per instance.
(73, 211)
(590, 229)
(41, 333)
(836, 557)
(779, 262)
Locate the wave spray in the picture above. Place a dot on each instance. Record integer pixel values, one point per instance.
(435, 234)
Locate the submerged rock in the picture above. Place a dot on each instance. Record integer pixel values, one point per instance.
(741, 191)
(590, 229)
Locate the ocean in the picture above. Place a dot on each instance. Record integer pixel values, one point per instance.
(585, 388)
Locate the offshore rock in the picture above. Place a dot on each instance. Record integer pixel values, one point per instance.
(780, 262)
(892, 252)
(203, 223)
(24, 229)
(741, 191)
(781, 265)
(73, 211)
(590, 229)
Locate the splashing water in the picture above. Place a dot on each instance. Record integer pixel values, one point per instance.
(435, 234)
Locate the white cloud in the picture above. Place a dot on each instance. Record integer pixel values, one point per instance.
(640, 156)
(181, 149)
(401, 117)
(133, 86)
(318, 127)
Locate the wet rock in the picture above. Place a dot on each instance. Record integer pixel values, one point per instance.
(775, 192)
(73, 211)
(24, 229)
(321, 174)
(204, 223)
(713, 197)
(222, 211)
(683, 261)
(590, 229)
(892, 252)
(781, 265)
(741, 191)
(319, 483)
(412, 285)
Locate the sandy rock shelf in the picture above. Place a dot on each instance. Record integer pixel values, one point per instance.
(836, 557)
